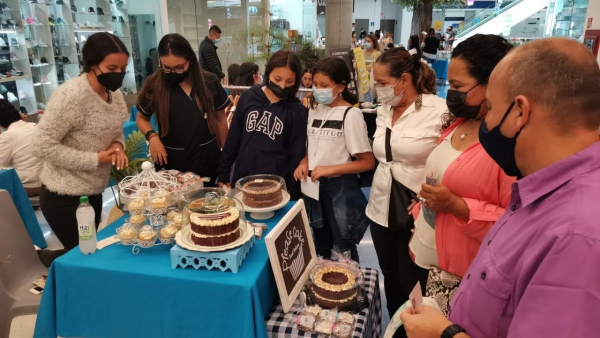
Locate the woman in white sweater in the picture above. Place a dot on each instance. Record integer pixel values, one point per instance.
(81, 136)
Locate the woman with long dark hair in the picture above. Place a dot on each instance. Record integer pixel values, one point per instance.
(430, 45)
(268, 131)
(81, 136)
(190, 108)
(336, 133)
(414, 45)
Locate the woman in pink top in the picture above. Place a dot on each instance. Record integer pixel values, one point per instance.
(467, 190)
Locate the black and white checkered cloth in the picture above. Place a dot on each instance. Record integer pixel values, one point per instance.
(368, 321)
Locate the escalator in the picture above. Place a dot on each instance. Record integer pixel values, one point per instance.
(499, 20)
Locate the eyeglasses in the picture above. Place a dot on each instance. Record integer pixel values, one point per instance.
(177, 70)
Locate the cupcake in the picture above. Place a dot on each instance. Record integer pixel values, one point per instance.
(137, 206)
(171, 215)
(147, 236)
(159, 205)
(168, 232)
(137, 220)
(126, 233)
(178, 220)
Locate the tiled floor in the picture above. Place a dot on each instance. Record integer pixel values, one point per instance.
(23, 327)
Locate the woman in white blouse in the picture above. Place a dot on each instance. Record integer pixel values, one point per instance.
(408, 127)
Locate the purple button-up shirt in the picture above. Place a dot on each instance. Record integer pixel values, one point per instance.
(537, 273)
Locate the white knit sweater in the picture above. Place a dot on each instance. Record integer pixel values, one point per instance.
(78, 124)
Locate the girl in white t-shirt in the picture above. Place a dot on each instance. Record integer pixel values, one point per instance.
(337, 133)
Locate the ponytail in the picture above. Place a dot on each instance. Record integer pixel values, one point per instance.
(348, 96)
(398, 61)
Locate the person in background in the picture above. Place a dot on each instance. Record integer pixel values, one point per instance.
(355, 42)
(387, 39)
(209, 60)
(249, 75)
(81, 136)
(16, 150)
(189, 104)
(431, 45)
(414, 46)
(372, 52)
(233, 73)
(408, 127)
(268, 131)
(307, 83)
(543, 128)
(472, 191)
(450, 36)
(363, 34)
(379, 44)
(336, 133)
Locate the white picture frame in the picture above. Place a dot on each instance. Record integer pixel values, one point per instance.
(287, 254)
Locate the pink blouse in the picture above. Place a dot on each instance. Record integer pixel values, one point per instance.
(484, 186)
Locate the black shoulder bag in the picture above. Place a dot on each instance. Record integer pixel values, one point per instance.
(400, 197)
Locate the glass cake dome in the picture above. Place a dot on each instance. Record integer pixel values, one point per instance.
(261, 191)
(211, 201)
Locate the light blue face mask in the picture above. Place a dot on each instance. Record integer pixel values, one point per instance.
(324, 95)
(217, 40)
(368, 45)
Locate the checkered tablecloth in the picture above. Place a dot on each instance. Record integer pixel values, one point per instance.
(368, 321)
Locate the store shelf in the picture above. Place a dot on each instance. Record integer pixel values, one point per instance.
(14, 78)
(39, 84)
(11, 31)
(91, 30)
(41, 66)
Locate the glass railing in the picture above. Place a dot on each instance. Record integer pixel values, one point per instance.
(483, 16)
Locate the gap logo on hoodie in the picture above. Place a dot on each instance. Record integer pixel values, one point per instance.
(267, 125)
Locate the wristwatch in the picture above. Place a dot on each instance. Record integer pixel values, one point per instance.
(148, 133)
(452, 331)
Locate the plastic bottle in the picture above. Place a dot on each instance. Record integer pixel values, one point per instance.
(86, 225)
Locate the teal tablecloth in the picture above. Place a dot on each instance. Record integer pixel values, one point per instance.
(9, 180)
(441, 69)
(114, 293)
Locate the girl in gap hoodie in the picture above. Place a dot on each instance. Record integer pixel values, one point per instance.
(268, 131)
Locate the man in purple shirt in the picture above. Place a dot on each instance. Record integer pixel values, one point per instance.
(537, 273)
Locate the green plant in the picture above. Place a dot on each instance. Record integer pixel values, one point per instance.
(423, 11)
(136, 151)
(309, 54)
(263, 34)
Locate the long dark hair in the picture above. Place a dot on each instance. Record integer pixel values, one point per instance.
(233, 73)
(337, 70)
(98, 46)
(285, 58)
(398, 61)
(431, 33)
(157, 90)
(247, 72)
(416, 44)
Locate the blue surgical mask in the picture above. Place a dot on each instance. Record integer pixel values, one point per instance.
(324, 95)
(217, 40)
(368, 46)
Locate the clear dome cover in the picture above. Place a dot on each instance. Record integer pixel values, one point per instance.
(260, 191)
(213, 202)
(147, 188)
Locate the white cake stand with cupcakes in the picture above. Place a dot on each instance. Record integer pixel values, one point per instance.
(261, 195)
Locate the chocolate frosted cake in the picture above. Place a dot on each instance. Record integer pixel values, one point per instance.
(261, 193)
(334, 286)
(215, 229)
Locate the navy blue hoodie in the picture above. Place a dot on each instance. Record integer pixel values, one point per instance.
(265, 138)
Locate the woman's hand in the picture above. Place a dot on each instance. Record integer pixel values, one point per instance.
(106, 157)
(157, 151)
(223, 185)
(119, 159)
(411, 207)
(301, 172)
(321, 171)
(438, 198)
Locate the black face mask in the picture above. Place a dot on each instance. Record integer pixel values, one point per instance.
(455, 101)
(175, 78)
(281, 93)
(500, 148)
(112, 81)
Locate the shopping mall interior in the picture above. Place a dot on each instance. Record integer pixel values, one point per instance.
(41, 43)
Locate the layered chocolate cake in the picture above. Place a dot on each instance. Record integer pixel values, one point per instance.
(215, 229)
(261, 193)
(334, 287)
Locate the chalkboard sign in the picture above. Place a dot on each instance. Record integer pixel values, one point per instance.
(292, 253)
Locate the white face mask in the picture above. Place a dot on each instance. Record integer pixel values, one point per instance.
(386, 95)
